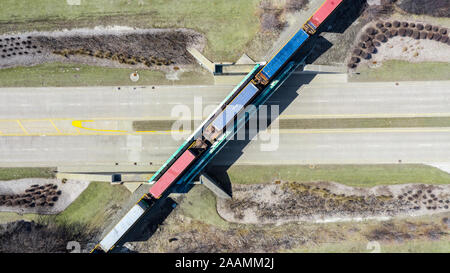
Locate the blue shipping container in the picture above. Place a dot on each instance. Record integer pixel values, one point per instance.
(235, 106)
(284, 54)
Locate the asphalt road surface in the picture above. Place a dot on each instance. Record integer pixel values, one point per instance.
(38, 126)
(350, 146)
(314, 100)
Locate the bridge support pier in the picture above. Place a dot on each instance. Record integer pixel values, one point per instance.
(212, 185)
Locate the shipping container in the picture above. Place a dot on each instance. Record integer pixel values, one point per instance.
(235, 106)
(177, 168)
(323, 12)
(274, 65)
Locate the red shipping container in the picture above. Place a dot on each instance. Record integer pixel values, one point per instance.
(324, 11)
(172, 174)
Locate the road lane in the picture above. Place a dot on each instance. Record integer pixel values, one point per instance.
(310, 100)
(39, 123)
(351, 146)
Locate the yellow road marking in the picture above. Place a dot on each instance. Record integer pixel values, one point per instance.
(94, 134)
(398, 115)
(79, 124)
(23, 128)
(282, 131)
(56, 128)
(167, 131)
(111, 118)
(363, 130)
(302, 116)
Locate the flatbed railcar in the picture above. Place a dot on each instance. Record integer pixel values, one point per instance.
(124, 225)
(211, 132)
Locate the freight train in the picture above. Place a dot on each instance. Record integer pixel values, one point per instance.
(208, 134)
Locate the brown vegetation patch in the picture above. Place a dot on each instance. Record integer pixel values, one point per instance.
(137, 48)
(42, 237)
(437, 8)
(291, 201)
(389, 231)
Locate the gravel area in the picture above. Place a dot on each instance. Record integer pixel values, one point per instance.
(411, 50)
(70, 191)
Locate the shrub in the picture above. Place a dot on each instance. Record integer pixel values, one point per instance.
(365, 38)
(381, 37)
(354, 59)
(45, 236)
(409, 32)
(371, 31)
(357, 51)
(366, 55)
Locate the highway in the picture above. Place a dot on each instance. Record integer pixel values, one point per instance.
(357, 146)
(309, 101)
(37, 124)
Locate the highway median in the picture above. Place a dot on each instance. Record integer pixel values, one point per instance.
(322, 123)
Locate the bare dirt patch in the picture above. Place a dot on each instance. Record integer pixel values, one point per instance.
(162, 49)
(328, 202)
(70, 190)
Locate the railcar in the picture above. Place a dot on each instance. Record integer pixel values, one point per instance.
(255, 88)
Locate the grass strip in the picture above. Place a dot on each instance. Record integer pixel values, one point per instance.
(337, 123)
(395, 70)
(350, 175)
(19, 173)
